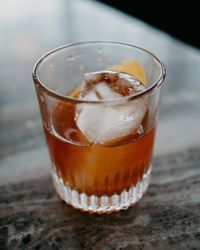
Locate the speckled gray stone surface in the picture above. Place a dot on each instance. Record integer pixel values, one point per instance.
(33, 217)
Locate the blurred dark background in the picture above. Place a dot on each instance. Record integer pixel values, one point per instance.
(178, 18)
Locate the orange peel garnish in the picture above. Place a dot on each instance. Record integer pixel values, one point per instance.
(131, 67)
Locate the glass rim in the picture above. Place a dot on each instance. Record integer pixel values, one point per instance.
(65, 98)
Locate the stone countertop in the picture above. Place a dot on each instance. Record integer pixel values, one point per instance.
(31, 215)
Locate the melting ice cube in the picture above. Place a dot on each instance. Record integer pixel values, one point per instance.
(121, 83)
(101, 123)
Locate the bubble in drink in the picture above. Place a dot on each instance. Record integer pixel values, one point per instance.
(102, 123)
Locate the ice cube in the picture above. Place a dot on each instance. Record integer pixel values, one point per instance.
(101, 123)
(121, 83)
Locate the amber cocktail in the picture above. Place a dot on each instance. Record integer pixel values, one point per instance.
(99, 103)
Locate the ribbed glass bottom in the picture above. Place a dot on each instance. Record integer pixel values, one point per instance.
(102, 204)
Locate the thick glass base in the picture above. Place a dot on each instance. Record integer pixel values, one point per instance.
(102, 204)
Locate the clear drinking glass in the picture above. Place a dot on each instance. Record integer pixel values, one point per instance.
(96, 177)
